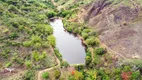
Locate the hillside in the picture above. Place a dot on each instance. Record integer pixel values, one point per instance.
(118, 23)
(108, 30)
(24, 36)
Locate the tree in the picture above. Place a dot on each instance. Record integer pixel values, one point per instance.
(91, 41)
(45, 75)
(8, 64)
(51, 14)
(85, 35)
(78, 75)
(57, 74)
(28, 64)
(27, 43)
(65, 13)
(135, 74)
(48, 29)
(100, 51)
(35, 39)
(29, 75)
(52, 40)
(65, 64)
(88, 60)
(35, 56)
(12, 8)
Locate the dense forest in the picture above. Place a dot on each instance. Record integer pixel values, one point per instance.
(28, 46)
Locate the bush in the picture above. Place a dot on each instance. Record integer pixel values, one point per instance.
(100, 51)
(70, 29)
(45, 44)
(48, 29)
(13, 35)
(88, 60)
(65, 13)
(28, 64)
(8, 64)
(79, 67)
(44, 29)
(30, 74)
(35, 56)
(58, 54)
(87, 30)
(51, 14)
(37, 45)
(91, 41)
(45, 75)
(85, 35)
(96, 59)
(12, 8)
(78, 75)
(35, 39)
(135, 75)
(65, 64)
(27, 43)
(57, 74)
(52, 40)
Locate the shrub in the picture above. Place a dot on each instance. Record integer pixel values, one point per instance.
(13, 35)
(37, 45)
(48, 29)
(27, 43)
(78, 75)
(69, 29)
(100, 51)
(91, 41)
(51, 14)
(87, 30)
(85, 35)
(58, 54)
(71, 77)
(45, 75)
(12, 8)
(35, 39)
(28, 64)
(52, 40)
(8, 64)
(96, 59)
(126, 68)
(65, 13)
(29, 75)
(135, 74)
(88, 60)
(44, 29)
(65, 64)
(35, 56)
(57, 74)
(79, 67)
(45, 44)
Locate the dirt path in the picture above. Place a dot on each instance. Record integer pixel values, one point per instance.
(45, 70)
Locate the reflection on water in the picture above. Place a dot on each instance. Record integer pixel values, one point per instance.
(69, 46)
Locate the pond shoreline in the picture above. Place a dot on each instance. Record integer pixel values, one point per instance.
(70, 43)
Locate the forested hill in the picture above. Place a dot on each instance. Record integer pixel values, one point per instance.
(25, 35)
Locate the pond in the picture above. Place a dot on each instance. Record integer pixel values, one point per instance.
(70, 46)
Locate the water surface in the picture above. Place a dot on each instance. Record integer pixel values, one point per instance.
(69, 46)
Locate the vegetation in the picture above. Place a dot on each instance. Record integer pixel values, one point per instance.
(24, 36)
(100, 51)
(29, 75)
(26, 40)
(57, 74)
(45, 75)
(52, 40)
